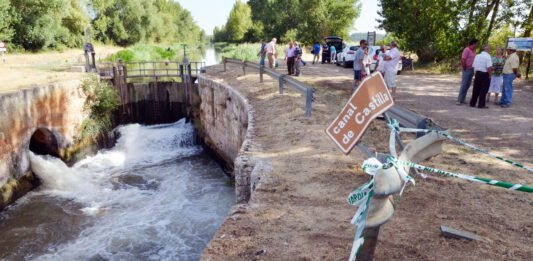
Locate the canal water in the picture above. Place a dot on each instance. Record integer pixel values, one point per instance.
(154, 196)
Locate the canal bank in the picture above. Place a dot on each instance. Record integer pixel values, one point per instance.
(132, 165)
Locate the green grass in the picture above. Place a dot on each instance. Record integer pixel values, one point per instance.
(149, 52)
(246, 51)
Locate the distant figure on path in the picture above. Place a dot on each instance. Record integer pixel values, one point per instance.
(271, 52)
(298, 61)
(333, 52)
(325, 53)
(390, 67)
(496, 78)
(316, 52)
(358, 66)
(510, 72)
(262, 52)
(290, 54)
(467, 58)
(482, 67)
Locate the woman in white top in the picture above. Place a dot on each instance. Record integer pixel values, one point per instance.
(367, 61)
(379, 64)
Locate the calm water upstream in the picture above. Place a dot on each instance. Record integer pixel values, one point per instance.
(154, 196)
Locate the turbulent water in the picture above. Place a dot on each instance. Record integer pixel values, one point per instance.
(154, 196)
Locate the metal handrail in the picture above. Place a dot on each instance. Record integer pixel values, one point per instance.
(169, 71)
(294, 84)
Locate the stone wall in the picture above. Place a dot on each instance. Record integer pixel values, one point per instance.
(227, 128)
(58, 108)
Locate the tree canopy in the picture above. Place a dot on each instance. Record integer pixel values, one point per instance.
(52, 24)
(304, 20)
(439, 29)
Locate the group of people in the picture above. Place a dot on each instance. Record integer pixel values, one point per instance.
(386, 64)
(387, 60)
(329, 53)
(293, 56)
(489, 73)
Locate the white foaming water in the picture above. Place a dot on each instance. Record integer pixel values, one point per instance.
(154, 196)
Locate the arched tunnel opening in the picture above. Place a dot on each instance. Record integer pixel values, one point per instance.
(43, 142)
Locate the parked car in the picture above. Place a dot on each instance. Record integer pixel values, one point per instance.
(333, 41)
(372, 51)
(347, 55)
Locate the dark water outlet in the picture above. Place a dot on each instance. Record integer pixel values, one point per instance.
(43, 142)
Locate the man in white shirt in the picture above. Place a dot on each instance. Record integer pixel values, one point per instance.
(379, 64)
(390, 64)
(482, 69)
(271, 52)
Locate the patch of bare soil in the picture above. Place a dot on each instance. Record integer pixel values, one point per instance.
(300, 212)
(28, 70)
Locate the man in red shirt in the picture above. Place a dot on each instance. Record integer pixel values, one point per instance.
(467, 58)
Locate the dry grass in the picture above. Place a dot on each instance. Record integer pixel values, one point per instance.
(32, 69)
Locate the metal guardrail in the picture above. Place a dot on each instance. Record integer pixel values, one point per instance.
(411, 119)
(292, 83)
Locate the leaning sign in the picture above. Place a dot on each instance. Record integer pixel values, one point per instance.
(369, 101)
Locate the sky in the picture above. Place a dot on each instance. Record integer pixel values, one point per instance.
(211, 13)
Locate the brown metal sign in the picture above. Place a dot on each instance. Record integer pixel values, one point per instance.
(370, 100)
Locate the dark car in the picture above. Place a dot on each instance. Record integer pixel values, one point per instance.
(334, 41)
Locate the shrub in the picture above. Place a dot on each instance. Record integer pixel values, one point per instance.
(102, 100)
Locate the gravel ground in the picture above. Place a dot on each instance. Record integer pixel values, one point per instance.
(300, 212)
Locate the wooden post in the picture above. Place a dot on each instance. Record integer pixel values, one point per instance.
(281, 84)
(224, 59)
(366, 253)
(261, 68)
(528, 64)
(244, 67)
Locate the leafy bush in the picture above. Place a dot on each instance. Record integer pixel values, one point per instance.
(102, 100)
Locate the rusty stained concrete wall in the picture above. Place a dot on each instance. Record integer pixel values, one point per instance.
(227, 126)
(57, 107)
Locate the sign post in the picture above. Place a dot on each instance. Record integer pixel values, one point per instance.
(3, 50)
(370, 100)
(371, 38)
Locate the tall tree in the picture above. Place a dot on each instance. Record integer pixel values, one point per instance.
(8, 17)
(239, 21)
(44, 24)
(421, 26)
(311, 20)
(124, 22)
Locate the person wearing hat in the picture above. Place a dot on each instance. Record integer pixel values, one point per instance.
(510, 72)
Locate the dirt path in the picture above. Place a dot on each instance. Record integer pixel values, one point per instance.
(27, 70)
(300, 212)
